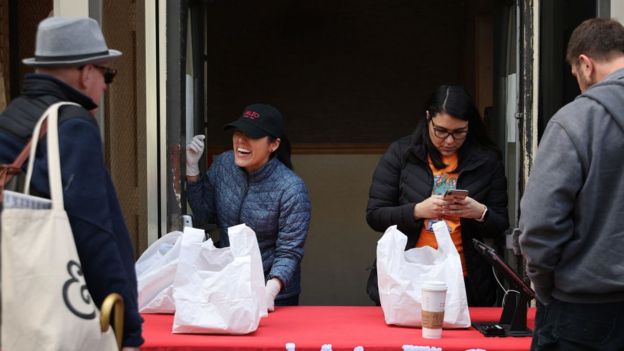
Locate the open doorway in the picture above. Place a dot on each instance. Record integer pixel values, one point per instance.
(350, 77)
(557, 85)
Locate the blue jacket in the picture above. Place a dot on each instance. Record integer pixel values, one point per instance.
(273, 201)
(101, 236)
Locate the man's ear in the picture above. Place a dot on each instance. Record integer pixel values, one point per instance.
(586, 64)
(87, 75)
(84, 76)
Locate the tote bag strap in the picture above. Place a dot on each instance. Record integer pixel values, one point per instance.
(7, 171)
(54, 163)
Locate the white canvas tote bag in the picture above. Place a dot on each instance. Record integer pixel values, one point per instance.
(45, 301)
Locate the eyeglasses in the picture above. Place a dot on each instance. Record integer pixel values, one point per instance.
(109, 73)
(443, 133)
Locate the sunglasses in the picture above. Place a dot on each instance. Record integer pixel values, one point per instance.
(109, 73)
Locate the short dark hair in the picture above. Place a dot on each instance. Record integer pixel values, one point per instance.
(598, 38)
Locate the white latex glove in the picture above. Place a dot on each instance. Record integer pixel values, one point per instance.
(273, 287)
(194, 150)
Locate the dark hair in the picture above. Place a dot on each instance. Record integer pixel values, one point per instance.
(598, 38)
(455, 101)
(283, 151)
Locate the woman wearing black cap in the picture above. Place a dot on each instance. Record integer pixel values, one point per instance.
(448, 150)
(254, 184)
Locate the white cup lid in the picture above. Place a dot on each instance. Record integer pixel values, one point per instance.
(434, 285)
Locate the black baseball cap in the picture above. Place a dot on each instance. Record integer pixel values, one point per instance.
(259, 120)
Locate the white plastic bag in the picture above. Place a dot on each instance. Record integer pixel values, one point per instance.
(219, 291)
(156, 269)
(402, 273)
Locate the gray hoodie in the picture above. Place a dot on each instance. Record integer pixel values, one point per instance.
(572, 212)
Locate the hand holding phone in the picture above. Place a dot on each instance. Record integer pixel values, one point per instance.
(456, 194)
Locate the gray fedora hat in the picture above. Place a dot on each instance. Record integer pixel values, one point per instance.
(68, 41)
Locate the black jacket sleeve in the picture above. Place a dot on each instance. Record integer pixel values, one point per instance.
(497, 217)
(384, 208)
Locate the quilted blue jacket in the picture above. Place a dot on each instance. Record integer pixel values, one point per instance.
(273, 201)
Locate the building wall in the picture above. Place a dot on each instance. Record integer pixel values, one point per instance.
(124, 135)
(340, 245)
(122, 111)
(617, 10)
(5, 82)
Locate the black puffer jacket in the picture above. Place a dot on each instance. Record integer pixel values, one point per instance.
(403, 178)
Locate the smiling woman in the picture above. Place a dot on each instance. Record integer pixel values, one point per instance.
(258, 133)
(250, 153)
(254, 184)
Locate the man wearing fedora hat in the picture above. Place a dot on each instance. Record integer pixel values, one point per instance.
(71, 58)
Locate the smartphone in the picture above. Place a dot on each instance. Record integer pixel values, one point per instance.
(458, 194)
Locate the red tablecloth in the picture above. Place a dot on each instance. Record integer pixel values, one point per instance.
(345, 327)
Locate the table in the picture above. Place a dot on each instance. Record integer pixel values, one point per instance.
(345, 327)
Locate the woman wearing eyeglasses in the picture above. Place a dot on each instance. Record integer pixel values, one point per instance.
(449, 149)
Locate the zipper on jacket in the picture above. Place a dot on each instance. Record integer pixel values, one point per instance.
(243, 199)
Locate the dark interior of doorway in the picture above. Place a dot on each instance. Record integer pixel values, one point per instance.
(351, 72)
(558, 18)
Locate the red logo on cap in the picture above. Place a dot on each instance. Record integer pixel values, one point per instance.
(251, 114)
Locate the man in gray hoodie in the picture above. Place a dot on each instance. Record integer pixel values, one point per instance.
(572, 212)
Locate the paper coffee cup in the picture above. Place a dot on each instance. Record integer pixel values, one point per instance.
(432, 312)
